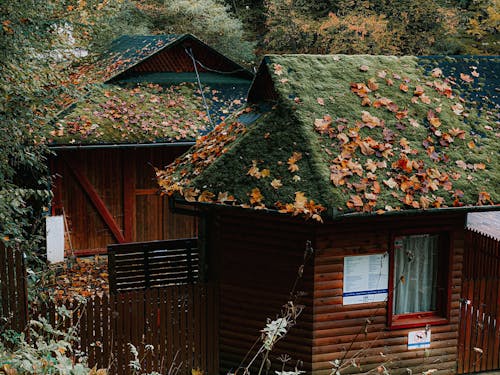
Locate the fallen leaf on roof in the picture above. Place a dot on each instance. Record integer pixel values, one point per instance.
(466, 78)
(276, 183)
(256, 197)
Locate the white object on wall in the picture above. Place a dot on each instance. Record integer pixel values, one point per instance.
(55, 238)
(366, 278)
(419, 339)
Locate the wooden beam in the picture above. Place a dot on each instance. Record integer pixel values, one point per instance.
(128, 173)
(96, 200)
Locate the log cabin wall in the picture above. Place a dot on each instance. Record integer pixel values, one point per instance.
(110, 196)
(339, 331)
(255, 258)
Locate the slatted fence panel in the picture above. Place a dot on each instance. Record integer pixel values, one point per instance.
(13, 290)
(143, 265)
(479, 344)
(179, 322)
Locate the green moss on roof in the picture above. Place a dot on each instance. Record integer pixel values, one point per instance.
(139, 114)
(353, 134)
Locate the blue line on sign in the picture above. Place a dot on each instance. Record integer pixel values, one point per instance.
(365, 292)
(420, 344)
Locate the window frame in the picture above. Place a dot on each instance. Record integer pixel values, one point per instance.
(445, 256)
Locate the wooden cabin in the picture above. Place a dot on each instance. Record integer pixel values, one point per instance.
(376, 162)
(146, 109)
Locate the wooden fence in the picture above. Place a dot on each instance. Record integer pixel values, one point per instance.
(479, 342)
(143, 265)
(13, 290)
(179, 322)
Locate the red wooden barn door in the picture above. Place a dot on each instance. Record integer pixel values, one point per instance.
(479, 328)
(111, 196)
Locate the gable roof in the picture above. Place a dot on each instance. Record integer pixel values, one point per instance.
(129, 51)
(353, 134)
(153, 93)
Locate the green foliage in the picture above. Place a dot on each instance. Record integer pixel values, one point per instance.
(37, 44)
(209, 20)
(48, 351)
(482, 27)
(408, 27)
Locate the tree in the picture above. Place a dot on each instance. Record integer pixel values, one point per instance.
(209, 20)
(413, 27)
(34, 84)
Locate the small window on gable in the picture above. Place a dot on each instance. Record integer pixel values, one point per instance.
(419, 280)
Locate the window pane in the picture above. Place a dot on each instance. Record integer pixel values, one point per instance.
(415, 273)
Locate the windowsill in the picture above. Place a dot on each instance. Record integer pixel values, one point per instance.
(416, 321)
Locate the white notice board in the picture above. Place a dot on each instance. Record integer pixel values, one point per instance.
(366, 278)
(55, 238)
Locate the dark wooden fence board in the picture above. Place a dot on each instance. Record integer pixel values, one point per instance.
(479, 327)
(13, 289)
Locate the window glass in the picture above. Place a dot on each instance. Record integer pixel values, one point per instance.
(415, 274)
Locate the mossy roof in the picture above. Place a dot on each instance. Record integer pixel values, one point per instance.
(143, 113)
(353, 134)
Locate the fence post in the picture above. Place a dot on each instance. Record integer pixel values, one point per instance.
(13, 288)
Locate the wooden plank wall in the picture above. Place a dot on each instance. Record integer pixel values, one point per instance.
(13, 290)
(342, 332)
(179, 322)
(124, 180)
(479, 347)
(255, 259)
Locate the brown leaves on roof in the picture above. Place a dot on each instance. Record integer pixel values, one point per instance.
(411, 180)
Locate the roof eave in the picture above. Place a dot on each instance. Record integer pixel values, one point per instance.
(70, 147)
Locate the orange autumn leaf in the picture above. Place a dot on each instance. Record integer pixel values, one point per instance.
(484, 198)
(436, 72)
(256, 196)
(225, 197)
(292, 166)
(466, 78)
(370, 120)
(403, 87)
(278, 69)
(456, 132)
(276, 183)
(356, 201)
(191, 194)
(206, 197)
(419, 90)
(372, 84)
(300, 200)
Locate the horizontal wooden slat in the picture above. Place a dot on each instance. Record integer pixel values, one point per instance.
(152, 264)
